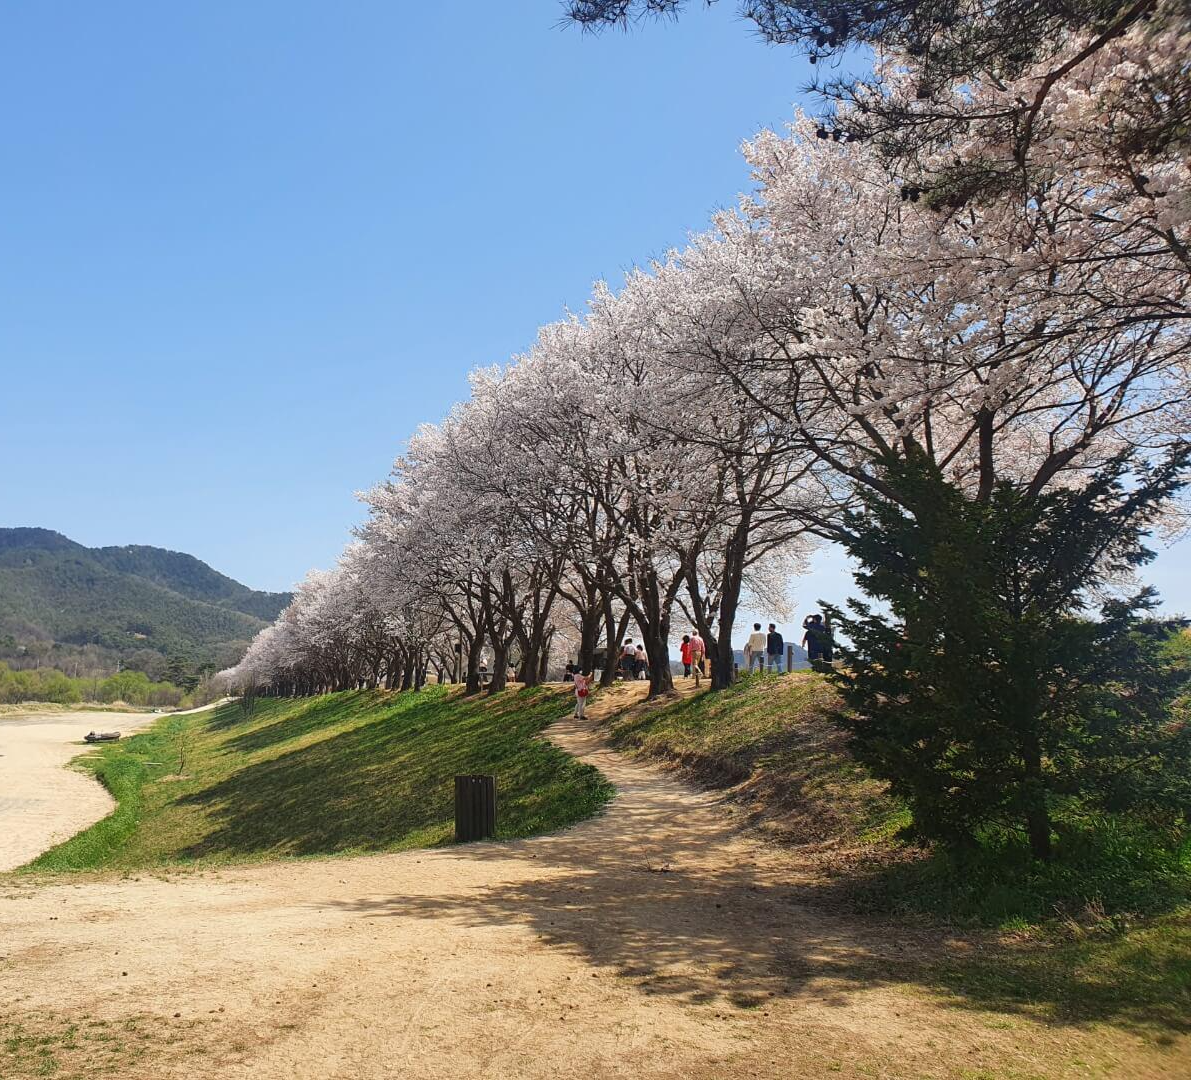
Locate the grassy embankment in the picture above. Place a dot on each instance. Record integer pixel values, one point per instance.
(1105, 930)
(345, 773)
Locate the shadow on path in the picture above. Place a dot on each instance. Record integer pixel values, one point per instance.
(663, 889)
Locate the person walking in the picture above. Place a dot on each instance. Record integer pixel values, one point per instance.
(754, 649)
(684, 653)
(641, 663)
(698, 654)
(582, 692)
(775, 649)
(628, 662)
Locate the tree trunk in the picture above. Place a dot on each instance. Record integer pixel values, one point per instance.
(475, 650)
(589, 632)
(723, 664)
(393, 674)
(531, 662)
(613, 636)
(500, 666)
(657, 647)
(1038, 820)
(1034, 797)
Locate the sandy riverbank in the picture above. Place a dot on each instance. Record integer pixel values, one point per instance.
(42, 802)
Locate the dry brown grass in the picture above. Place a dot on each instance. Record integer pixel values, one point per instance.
(770, 745)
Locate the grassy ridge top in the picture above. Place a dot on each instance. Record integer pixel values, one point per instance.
(772, 743)
(352, 772)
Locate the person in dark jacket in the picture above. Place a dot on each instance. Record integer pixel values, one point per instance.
(817, 641)
(775, 649)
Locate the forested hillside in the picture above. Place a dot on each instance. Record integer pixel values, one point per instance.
(123, 599)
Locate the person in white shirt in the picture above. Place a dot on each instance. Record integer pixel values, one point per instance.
(698, 655)
(754, 650)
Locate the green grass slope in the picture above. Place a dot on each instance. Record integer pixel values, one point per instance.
(345, 773)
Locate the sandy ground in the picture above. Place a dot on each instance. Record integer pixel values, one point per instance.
(41, 802)
(654, 941)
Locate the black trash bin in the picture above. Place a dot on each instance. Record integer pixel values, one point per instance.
(475, 808)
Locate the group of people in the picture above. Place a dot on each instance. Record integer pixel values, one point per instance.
(693, 654)
(817, 640)
(633, 663)
(765, 650)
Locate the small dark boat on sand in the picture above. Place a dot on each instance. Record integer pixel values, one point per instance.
(101, 736)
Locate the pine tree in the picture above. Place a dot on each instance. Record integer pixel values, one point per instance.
(984, 692)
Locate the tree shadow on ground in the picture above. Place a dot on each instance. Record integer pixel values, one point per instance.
(320, 712)
(389, 782)
(625, 893)
(230, 715)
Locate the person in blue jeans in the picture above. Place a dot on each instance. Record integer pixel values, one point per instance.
(754, 649)
(775, 649)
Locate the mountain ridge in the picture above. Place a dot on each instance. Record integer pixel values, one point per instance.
(125, 597)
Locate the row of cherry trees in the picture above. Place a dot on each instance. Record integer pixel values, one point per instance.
(687, 440)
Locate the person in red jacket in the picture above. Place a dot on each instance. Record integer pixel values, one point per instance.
(684, 652)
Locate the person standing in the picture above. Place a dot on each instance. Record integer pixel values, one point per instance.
(813, 639)
(698, 653)
(684, 652)
(582, 692)
(775, 648)
(641, 663)
(754, 649)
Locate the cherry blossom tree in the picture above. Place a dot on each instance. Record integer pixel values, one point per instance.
(686, 440)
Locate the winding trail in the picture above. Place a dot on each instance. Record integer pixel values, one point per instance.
(653, 941)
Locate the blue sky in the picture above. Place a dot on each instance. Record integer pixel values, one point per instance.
(247, 248)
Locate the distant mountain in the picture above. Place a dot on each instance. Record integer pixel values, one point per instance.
(123, 598)
(192, 578)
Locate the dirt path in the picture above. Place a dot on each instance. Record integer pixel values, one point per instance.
(41, 801)
(651, 942)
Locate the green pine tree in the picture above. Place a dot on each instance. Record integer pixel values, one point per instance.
(981, 688)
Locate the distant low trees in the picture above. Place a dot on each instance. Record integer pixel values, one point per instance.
(134, 688)
(53, 686)
(38, 684)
